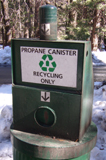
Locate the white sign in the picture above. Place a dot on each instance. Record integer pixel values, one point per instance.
(45, 96)
(45, 28)
(49, 66)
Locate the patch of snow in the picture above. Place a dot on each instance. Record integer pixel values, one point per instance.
(5, 56)
(5, 122)
(99, 118)
(6, 149)
(5, 96)
(97, 84)
(99, 58)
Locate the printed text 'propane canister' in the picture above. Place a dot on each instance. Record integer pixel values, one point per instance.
(48, 22)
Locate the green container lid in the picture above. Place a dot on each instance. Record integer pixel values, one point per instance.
(48, 13)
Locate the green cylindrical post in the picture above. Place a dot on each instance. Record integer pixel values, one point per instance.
(30, 146)
(48, 22)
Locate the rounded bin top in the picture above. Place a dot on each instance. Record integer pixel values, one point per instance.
(48, 11)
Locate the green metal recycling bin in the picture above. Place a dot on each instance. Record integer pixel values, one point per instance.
(53, 87)
(52, 99)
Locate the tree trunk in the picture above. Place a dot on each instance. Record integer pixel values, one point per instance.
(96, 25)
(38, 3)
(6, 22)
(20, 24)
(73, 18)
(72, 22)
(105, 42)
(69, 1)
(30, 17)
(3, 36)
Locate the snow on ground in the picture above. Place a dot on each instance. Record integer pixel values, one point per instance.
(5, 55)
(98, 113)
(5, 121)
(99, 118)
(99, 58)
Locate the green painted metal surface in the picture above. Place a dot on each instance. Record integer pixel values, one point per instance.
(72, 104)
(33, 146)
(87, 91)
(66, 107)
(48, 22)
(20, 156)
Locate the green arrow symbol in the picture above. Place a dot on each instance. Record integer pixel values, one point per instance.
(41, 63)
(50, 57)
(54, 64)
(44, 57)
